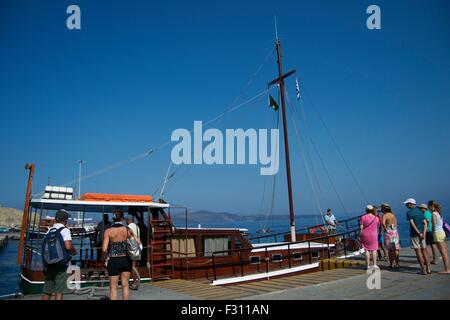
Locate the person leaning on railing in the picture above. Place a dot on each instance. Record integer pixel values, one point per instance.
(331, 221)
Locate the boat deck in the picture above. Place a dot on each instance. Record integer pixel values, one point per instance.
(345, 283)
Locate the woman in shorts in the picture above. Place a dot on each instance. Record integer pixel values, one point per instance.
(116, 257)
(439, 234)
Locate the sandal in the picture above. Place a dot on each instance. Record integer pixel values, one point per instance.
(422, 273)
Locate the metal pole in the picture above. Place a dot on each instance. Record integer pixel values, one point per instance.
(165, 181)
(214, 266)
(286, 142)
(26, 208)
(80, 162)
(345, 250)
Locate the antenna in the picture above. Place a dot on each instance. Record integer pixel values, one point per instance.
(276, 29)
(165, 180)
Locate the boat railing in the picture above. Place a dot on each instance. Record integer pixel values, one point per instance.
(347, 224)
(243, 261)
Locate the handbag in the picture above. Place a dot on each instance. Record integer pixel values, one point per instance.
(446, 228)
(134, 248)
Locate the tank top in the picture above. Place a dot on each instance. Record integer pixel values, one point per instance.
(439, 222)
(117, 248)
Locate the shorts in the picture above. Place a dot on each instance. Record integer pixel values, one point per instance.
(418, 243)
(380, 239)
(429, 239)
(56, 281)
(117, 265)
(439, 236)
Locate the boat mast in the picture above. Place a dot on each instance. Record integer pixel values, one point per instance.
(286, 141)
(26, 212)
(280, 82)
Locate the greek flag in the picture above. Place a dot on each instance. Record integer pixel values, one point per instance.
(297, 88)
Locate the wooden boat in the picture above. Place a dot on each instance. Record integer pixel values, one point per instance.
(215, 254)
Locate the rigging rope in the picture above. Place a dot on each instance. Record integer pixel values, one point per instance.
(319, 207)
(337, 147)
(322, 162)
(152, 151)
(272, 201)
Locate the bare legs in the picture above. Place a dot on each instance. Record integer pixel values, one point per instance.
(394, 258)
(374, 257)
(421, 255)
(135, 276)
(124, 278)
(442, 246)
(113, 287)
(434, 251)
(58, 296)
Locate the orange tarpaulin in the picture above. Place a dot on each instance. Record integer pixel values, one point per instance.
(115, 197)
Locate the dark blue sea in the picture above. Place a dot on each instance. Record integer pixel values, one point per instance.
(9, 270)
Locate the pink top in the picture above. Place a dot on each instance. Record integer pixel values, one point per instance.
(369, 234)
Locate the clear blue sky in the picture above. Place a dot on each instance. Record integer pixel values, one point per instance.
(137, 70)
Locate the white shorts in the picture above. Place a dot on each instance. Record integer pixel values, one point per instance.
(418, 243)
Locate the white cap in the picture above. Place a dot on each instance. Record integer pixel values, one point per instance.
(410, 200)
(423, 206)
(369, 207)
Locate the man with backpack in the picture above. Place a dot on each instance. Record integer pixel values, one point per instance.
(57, 249)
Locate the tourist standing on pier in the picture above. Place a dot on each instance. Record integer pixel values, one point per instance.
(418, 228)
(381, 246)
(391, 236)
(369, 234)
(137, 234)
(57, 248)
(116, 257)
(429, 234)
(439, 233)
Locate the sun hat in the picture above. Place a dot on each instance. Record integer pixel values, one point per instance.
(409, 200)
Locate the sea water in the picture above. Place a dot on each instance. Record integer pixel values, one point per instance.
(9, 270)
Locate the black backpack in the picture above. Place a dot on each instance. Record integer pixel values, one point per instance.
(54, 252)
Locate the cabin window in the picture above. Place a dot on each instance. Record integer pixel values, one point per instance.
(255, 260)
(277, 257)
(315, 254)
(214, 244)
(297, 256)
(183, 246)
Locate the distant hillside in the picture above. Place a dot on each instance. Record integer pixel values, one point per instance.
(204, 216)
(10, 216)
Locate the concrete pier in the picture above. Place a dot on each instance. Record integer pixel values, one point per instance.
(343, 283)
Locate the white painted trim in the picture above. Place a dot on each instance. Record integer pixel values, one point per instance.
(260, 247)
(100, 203)
(84, 281)
(264, 275)
(353, 254)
